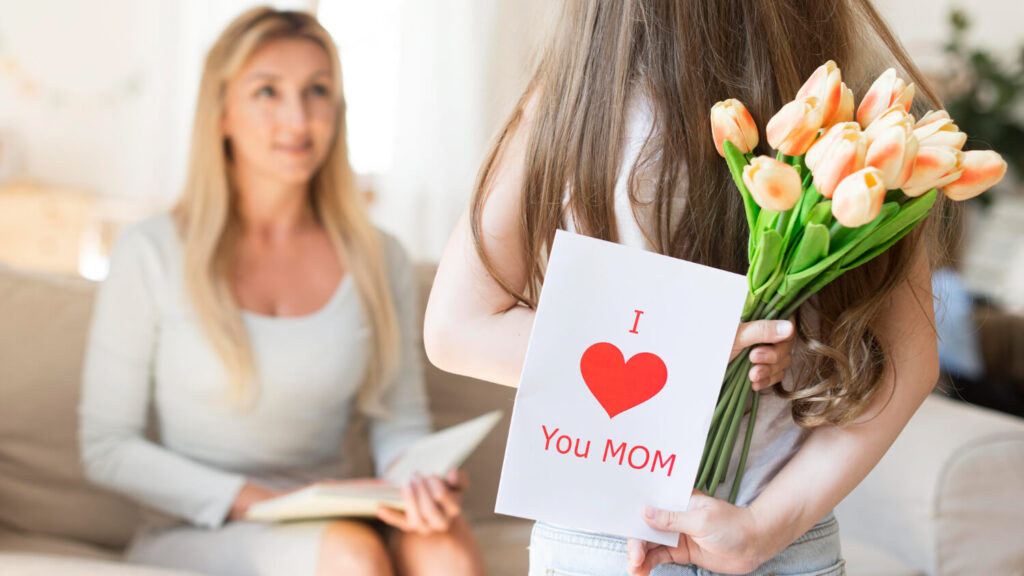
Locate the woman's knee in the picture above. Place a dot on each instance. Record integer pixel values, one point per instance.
(352, 548)
(452, 552)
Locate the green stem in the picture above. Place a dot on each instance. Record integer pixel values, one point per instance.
(742, 465)
(717, 435)
(725, 454)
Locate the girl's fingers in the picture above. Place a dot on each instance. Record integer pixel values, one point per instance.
(655, 557)
(762, 332)
(636, 551)
(764, 355)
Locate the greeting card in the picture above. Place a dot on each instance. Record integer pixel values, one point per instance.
(624, 365)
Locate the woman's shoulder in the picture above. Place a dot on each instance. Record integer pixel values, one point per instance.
(156, 230)
(401, 269)
(395, 255)
(149, 242)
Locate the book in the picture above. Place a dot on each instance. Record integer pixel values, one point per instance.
(432, 455)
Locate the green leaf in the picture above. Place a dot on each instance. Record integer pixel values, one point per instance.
(911, 211)
(767, 256)
(737, 161)
(880, 248)
(812, 248)
(820, 213)
(844, 235)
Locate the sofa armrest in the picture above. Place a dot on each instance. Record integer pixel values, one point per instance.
(948, 497)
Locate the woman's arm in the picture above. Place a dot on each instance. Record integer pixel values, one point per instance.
(408, 417)
(832, 462)
(116, 393)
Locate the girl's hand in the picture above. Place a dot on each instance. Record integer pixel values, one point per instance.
(771, 359)
(713, 534)
(430, 504)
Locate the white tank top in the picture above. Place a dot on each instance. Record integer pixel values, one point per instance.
(776, 435)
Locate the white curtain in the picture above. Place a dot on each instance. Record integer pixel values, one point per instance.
(463, 64)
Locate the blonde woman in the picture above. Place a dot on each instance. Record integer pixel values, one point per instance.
(256, 318)
(612, 139)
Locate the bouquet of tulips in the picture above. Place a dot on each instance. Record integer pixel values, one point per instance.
(839, 193)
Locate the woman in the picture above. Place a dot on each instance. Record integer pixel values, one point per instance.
(614, 130)
(257, 317)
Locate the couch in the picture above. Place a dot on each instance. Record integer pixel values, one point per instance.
(947, 499)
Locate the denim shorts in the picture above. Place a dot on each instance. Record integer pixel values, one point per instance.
(557, 551)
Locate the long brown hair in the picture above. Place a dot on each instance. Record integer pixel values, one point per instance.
(208, 221)
(682, 57)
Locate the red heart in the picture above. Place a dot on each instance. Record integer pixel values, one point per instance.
(619, 385)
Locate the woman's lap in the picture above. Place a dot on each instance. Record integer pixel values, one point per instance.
(237, 548)
(556, 551)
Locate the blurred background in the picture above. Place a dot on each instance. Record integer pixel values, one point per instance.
(96, 104)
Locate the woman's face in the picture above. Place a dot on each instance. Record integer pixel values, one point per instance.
(280, 111)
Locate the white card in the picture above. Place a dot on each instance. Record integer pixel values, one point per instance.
(623, 369)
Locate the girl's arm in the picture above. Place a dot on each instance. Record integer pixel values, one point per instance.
(725, 538)
(473, 326)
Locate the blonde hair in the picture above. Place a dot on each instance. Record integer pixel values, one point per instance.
(208, 223)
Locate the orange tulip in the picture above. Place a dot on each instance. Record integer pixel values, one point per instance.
(936, 128)
(982, 169)
(844, 156)
(887, 91)
(820, 147)
(826, 85)
(731, 121)
(894, 152)
(858, 198)
(935, 167)
(794, 127)
(775, 185)
(845, 111)
(894, 116)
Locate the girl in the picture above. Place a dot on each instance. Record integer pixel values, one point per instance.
(612, 139)
(257, 317)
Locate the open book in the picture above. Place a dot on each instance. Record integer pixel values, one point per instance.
(431, 455)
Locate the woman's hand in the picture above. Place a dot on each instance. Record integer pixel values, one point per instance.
(714, 535)
(772, 358)
(430, 504)
(247, 496)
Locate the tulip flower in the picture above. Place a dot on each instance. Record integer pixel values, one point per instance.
(826, 85)
(935, 167)
(844, 156)
(820, 147)
(858, 198)
(936, 128)
(731, 121)
(774, 185)
(894, 152)
(793, 129)
(894, 116)
(887, 91)
(844, 113)
(982, 169)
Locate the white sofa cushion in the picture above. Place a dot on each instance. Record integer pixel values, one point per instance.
(948, 497)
